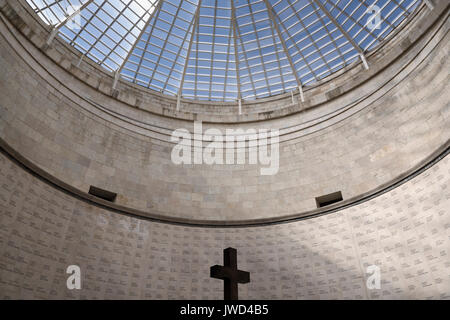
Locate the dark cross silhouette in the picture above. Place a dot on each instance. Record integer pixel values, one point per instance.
(230, 274)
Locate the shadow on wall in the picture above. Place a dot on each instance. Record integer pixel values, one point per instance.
(43, 231)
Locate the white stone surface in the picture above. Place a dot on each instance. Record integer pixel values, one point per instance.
(405, 232)
(377, 131)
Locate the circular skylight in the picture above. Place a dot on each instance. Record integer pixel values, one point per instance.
(223, 50)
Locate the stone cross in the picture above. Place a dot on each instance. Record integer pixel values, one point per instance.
(230, 274)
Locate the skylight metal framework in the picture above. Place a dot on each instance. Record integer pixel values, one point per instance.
(224, 50)
(236, 56)
(350, 39)
(277, 28)
(68, 17)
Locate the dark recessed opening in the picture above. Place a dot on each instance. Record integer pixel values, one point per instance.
(103, 194)
(328, 199)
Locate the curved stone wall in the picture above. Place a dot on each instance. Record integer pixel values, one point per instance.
(359, 133)
(404, 232)
(370, 136)
(338, 84)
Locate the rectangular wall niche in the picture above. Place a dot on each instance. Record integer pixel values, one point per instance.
(328, 199)
(103, 194)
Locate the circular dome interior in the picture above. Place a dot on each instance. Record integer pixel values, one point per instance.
(223, 50)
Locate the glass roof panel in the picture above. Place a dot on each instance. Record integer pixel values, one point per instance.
(224, 50)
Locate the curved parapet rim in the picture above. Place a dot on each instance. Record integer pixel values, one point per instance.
(428, 163)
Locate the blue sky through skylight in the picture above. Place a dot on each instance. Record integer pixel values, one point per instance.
(223, 50)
